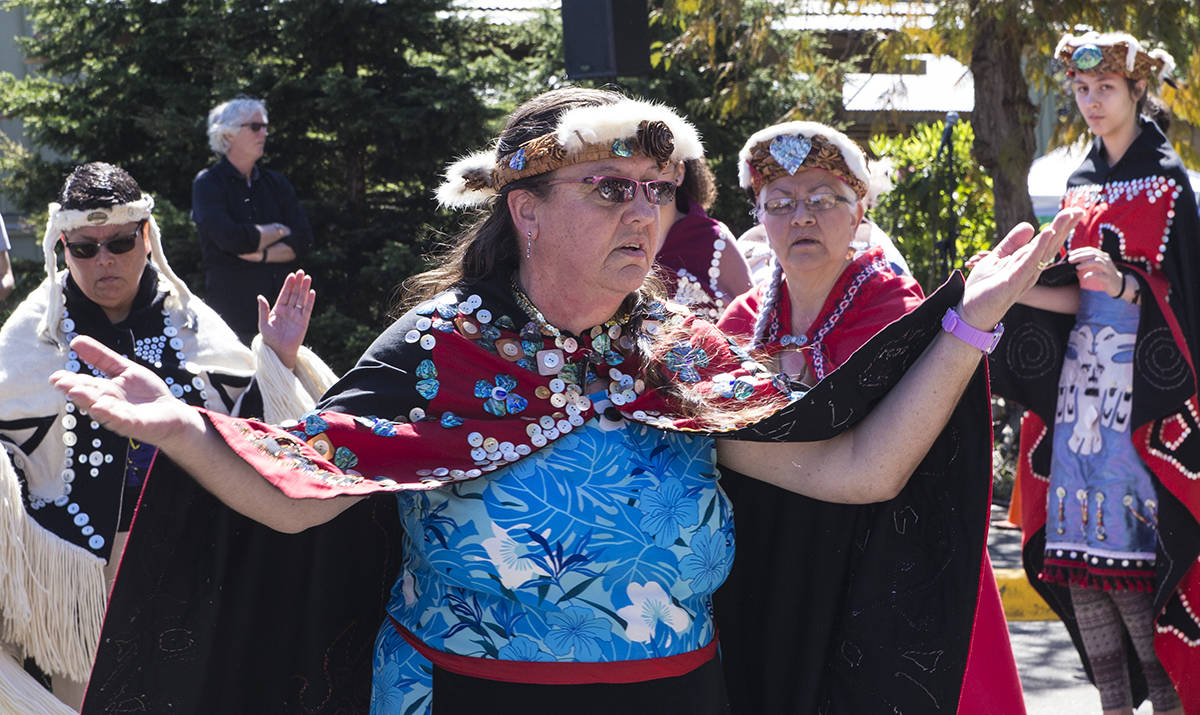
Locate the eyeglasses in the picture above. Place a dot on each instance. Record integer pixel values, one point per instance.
(619, 190)
(816, 203)
(90, 249)
(255, 126)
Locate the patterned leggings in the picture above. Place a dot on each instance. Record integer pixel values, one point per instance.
(1099, 614)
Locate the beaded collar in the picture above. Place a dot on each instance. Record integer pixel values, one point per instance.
(97, 463)
(580, 360)
(485, 395)
(546, 328)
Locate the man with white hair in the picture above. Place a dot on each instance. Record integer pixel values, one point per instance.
(252, 228)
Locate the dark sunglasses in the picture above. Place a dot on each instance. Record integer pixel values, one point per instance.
(90, 249)
(255, 126)
(619, 190)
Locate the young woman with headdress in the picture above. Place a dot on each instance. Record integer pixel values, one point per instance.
(1103, 356)
(550, 431)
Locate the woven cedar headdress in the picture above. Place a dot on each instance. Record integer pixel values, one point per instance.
(619, 130)
(784, 149)
(1113, 53)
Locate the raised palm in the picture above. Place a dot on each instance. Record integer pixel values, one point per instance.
(1003, 275)
(284, 325)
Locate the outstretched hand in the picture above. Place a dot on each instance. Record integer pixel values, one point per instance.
(132, 401)
(1002, 276)
(284, 325)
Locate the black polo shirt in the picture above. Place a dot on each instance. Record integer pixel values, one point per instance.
(226, 210)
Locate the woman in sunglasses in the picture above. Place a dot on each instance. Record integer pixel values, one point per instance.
(547, 426)
(252, 228)
(813, 581)
(1105, 365)
(71, 486)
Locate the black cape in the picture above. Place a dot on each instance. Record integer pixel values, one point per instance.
(837, 608)
(1027, 364)
(213, 613)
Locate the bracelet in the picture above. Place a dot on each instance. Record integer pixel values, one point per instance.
(983, 340)
(264, 258)
(1137, 289)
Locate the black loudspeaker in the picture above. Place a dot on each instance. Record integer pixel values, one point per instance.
(606, 38)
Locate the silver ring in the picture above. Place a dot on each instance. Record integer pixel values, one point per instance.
(299, 306)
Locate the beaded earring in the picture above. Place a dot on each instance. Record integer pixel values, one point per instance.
(528, 244)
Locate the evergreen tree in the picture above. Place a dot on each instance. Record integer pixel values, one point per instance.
(367, 101)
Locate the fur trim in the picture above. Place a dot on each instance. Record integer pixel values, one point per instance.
(851, 154)
(1168, 63)
(1121, 54)
(583, 134)
(468, 181)
(63, 220)
(287, 394)
(604, 124)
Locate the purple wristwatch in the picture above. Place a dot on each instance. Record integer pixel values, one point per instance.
(953, 323)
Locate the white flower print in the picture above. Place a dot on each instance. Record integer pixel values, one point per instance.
(651, 606)
(505, 554)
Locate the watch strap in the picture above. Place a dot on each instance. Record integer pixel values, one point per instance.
(983, 340)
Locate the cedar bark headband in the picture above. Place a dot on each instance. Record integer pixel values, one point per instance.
(619, 130)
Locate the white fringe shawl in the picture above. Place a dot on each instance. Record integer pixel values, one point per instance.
(20, 693)
(288, 394)
(53, 594)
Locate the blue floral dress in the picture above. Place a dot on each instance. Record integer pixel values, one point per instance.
(605, 546)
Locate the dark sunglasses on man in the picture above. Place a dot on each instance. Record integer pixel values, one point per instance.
(84, 250)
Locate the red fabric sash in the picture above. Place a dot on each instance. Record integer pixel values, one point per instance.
(562, 673)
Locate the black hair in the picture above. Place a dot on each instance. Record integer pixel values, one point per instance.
(1150, 105)
(98, 185)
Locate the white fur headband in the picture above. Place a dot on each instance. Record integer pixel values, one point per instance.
(787, 147)
(63, 220)
(620, 130)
